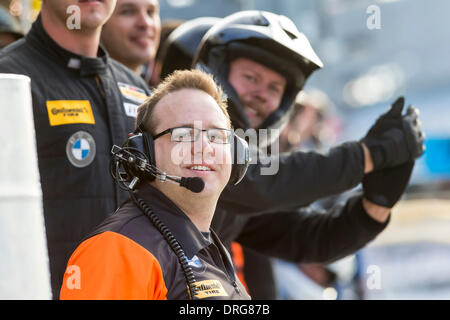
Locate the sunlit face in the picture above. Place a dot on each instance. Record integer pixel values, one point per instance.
(209, 161)
(92, 13)
(259, 89)
(132, 34)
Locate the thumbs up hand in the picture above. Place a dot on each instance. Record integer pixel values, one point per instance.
(395, 139)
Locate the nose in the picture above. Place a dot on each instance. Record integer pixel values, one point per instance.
(260, 93)
(145, 20)
(202, 149)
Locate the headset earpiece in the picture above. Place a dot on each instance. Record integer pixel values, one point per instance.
(149, 147)
(147, 143)
(142, 142)
(241, 159)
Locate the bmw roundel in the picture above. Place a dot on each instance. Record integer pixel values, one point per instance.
(80, 149)
(197, 264)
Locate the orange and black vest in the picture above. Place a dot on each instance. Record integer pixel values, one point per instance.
(126, 257)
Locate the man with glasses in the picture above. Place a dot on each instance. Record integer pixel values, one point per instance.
(128, 256)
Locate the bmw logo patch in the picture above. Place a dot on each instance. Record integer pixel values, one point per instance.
(80, 149)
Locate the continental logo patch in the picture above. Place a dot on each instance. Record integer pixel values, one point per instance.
(62, 112)
(132, 93)
(210, 288)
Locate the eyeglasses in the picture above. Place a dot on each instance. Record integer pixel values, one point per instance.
(187, 134)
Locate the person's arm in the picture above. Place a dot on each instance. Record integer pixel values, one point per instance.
(314, 236)
(375, 211)
(368, 162)
(300, 179)
(110, 266)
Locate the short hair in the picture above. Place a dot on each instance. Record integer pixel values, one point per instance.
(180, 79)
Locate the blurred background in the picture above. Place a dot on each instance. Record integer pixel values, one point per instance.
(373, 52)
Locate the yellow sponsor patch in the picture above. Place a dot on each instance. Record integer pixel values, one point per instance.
(69, 111)
(210, 288)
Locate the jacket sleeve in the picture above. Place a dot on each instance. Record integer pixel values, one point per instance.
(110, 266)
(311, 235)
(297, 179)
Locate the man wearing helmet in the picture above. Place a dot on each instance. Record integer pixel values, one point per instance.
(262, 61)
(228, 64)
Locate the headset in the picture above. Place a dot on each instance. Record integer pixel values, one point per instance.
(134, 163)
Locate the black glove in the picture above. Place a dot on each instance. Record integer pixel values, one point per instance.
(385, 187)
(395, 138)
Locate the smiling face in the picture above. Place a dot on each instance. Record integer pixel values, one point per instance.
(132, 34)
(259, 89)
(209, 161)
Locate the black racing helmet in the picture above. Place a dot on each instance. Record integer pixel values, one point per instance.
(270, 39)
(179, 49)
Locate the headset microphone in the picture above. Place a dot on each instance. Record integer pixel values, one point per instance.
(129, 167)
(195, 184)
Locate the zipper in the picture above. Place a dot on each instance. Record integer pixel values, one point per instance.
(219, 260)
(236, 288)
(100, 88)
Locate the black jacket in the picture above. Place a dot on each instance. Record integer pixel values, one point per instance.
(312, 235)
(141, 263)
(82, 106)
(302, 178)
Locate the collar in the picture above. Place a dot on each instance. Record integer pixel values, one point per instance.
(179, 224)
(85, 66)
